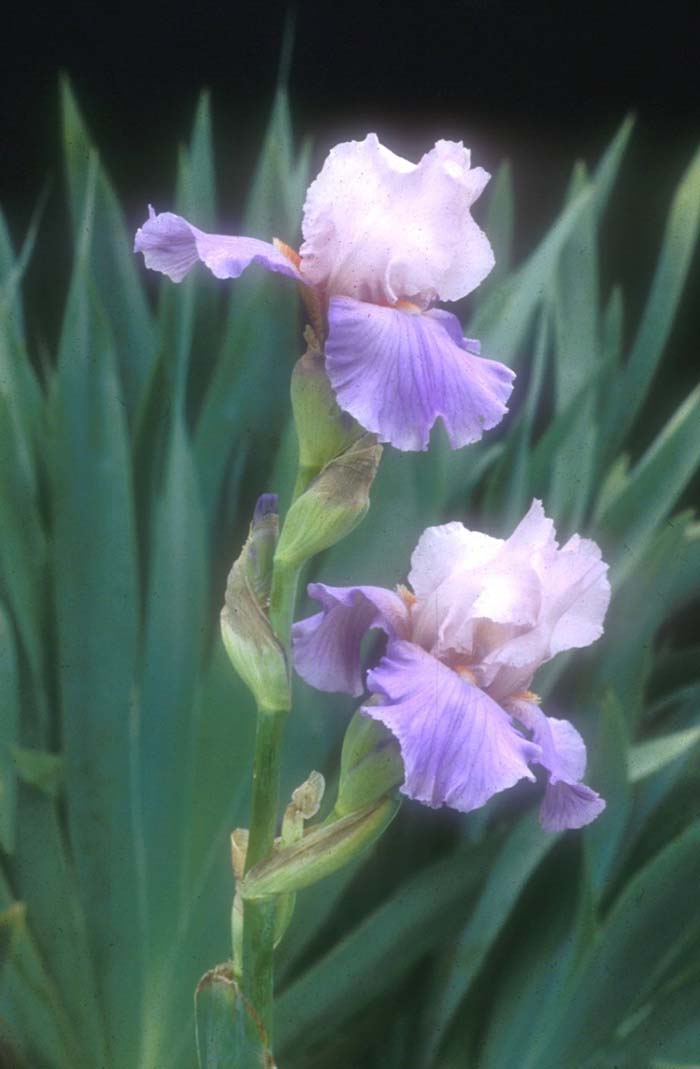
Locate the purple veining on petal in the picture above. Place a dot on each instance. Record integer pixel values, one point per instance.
(454, 328)
(568, 806)
(327, 645)
(458, 746)
(568, 803)
(173, 246)
(398, 372)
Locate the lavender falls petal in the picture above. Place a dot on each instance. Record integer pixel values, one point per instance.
(398, 372)
(327, 645)
(173, 246)
(458, 746)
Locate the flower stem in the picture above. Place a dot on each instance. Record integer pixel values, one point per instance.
(259, 917)
(285, 580)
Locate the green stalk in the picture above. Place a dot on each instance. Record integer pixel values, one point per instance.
(285, 580)
(259, 917)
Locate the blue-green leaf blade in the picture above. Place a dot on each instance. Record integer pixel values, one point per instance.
(113, 265)
(97, 628)
(9, 727)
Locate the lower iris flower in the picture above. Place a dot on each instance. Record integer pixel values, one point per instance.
(384, 240)
(462, 650)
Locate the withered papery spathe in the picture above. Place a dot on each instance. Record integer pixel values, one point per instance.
(384, 240)
(462, 649)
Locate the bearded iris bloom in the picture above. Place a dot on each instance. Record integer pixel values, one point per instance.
(383, 240)
(462, 650)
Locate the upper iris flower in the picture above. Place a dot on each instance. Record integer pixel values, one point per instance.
(454, 683)
(383, 240)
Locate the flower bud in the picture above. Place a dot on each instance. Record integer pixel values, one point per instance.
(370, 765)
(320, 852)
(264, 532)
(248, 637)
(334, 503)
(323, 430)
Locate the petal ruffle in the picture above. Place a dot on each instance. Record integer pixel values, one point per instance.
(173, 246)
(507, 606)
(380, 228)
(442, 550)
(568, 803)
(327, 646)
(575, 597)
(458, 746)
(474, 592)
(397, 373)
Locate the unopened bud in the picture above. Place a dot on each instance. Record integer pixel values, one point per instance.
(262, 542)
(332, 505)
(248, 637)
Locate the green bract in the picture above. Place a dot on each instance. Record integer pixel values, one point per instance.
(332, 505)
(370, 765)
(320, 852)
(323, 431)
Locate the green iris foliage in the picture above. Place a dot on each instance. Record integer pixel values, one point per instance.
(134, 441)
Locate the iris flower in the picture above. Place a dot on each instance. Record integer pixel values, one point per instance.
(383, 240)
(462, 649)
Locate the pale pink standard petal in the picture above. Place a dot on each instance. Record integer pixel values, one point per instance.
(474, 594)
(459, 747)
(173, 246)
(574, 600)
(582, 602)
(380, 228)
(534, 534)
(327, 646)
(444, 549)
(398, 372)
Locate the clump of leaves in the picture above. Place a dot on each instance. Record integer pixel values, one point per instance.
(130, 452)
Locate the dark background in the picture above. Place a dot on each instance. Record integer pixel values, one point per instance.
(539, 83)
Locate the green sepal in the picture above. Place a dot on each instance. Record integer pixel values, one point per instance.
(370, 765)
(321, 852)
(248, 637)
(332, 505)
(230, 1035)
(323, 430)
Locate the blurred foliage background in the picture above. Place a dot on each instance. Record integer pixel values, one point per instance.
(138, 423)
